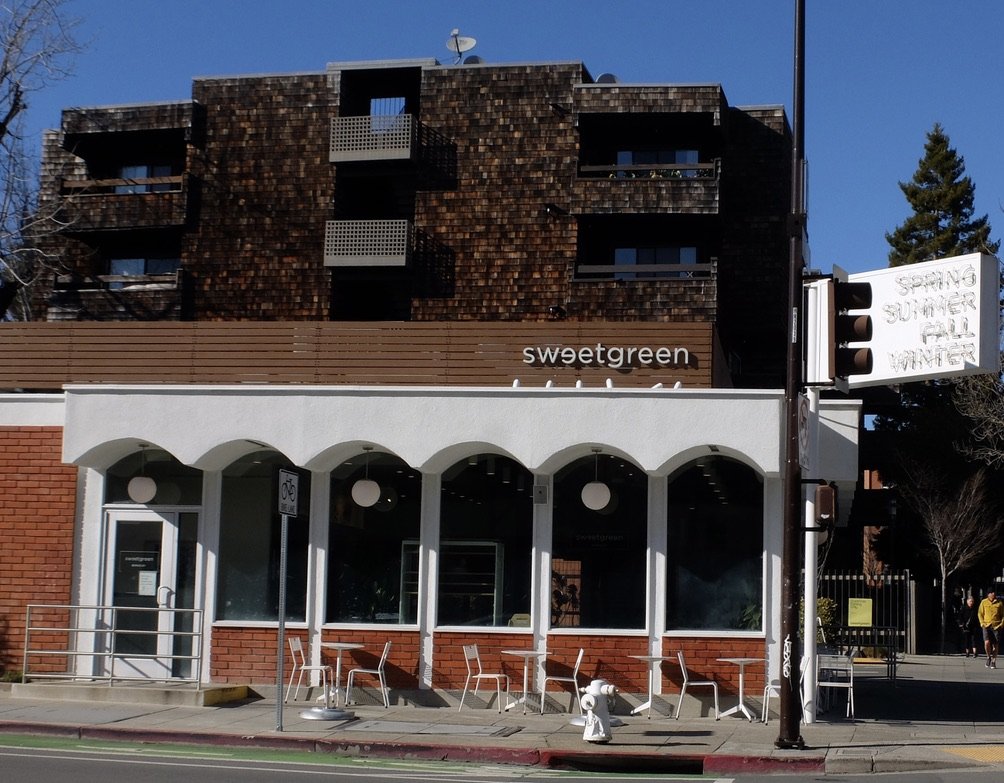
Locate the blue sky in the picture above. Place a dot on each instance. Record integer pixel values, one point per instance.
(878, 74)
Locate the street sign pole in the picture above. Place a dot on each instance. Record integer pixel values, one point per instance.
(289, 482)
(790, 707)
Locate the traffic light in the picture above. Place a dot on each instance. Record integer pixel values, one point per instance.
(848, 329)
(825, 503)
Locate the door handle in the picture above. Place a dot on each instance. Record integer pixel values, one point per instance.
(167, 596)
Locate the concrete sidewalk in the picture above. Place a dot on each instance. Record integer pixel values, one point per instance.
(942, 712)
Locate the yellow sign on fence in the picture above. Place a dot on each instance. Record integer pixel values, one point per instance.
(859, 612)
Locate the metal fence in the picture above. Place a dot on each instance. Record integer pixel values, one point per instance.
(112, 644)
(891, 595)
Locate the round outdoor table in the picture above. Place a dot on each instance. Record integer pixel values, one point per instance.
(742, 663)
(526, 655)
(332, 711)
(654, 662)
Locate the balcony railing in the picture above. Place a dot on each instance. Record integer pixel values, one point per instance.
(79, 187)
(367, 243)
(653, 170)
(376, 137)
(125, 203)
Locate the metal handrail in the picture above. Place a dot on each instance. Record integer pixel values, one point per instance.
(78, 639)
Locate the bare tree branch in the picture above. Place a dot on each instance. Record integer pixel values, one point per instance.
(36, 38)
(981, 399)
(961, 524)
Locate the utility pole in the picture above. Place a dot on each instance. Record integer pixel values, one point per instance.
(790, 702)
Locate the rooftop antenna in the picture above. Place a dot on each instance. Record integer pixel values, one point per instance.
(458, 44)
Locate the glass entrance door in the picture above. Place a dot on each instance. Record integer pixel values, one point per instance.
(150, 571)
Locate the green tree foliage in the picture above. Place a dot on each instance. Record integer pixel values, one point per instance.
(932, 440)
(941, 196)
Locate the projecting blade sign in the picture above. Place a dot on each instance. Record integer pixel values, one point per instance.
(936, 319)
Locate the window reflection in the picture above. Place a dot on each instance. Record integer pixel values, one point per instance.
(715, 547)
(373, 551)
(598, 560)
(486, 537)
(250, 532)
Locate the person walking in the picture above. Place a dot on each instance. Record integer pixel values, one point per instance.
(969, 624)
(991, 619)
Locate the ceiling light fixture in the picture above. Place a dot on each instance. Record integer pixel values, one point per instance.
(366, 492)
(142, 488)
(596, 494)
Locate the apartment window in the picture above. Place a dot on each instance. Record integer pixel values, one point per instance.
(136, 176)
(629, 257)
(384, 113)
(715, 547)
(664, 163)
(138, 266)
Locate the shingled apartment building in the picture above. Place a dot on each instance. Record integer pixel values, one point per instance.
(544, 313)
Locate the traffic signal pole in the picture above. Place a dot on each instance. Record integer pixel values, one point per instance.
(790, 702)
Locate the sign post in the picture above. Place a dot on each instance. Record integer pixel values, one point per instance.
(289, 490)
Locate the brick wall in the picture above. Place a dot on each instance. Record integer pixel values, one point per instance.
(702, 657)
(36, 528)
(247, 655)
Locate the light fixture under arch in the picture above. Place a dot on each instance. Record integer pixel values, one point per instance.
(366, 492)
(142, 488)
(596, 494)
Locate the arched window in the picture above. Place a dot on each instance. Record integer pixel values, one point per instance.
(485, 543)
(715, 547)
(373, 548)
(247, 586)
(598, 556)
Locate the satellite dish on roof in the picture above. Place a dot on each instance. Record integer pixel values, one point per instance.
(606, 78)
(458, 44)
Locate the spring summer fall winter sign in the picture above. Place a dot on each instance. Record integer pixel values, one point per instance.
(936, 319)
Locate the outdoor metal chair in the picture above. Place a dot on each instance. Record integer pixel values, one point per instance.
(301, 667)
(475, 672)
(573, 679)
(836, 671)
(376, 672)
(689, 683)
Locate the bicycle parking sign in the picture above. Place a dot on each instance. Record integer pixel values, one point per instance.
(289, 488)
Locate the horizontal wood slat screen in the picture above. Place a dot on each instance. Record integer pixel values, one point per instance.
(36, 356)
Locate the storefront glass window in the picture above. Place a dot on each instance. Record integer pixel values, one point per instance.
(598, 557)
(250, 527)
(486, 540)
(715, 547)
(373, 549)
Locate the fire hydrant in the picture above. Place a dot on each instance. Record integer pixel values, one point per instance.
(595, 701)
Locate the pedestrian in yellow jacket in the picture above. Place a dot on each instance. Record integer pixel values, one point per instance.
(991, 617)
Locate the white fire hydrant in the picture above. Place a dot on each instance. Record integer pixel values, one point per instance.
(595, 701)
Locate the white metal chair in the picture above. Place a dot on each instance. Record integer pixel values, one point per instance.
(573, 679)
(301, 667)
(689, 683)
(475, 672)
(836, 671)
(773, 688)
(376, 672)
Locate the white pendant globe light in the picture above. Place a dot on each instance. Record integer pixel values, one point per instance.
(596, 494)
(142, 488)
(366, 492)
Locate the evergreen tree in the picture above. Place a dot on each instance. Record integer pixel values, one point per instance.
(930, 436)
(941, 197)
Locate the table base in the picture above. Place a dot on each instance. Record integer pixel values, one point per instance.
(327, 713)
(739, 708)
